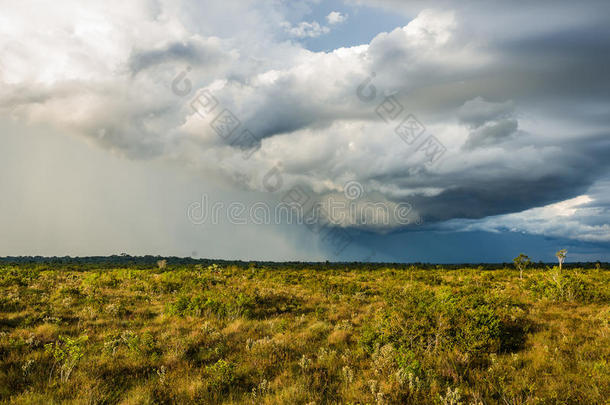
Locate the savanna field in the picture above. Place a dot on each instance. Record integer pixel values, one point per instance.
(303, 334)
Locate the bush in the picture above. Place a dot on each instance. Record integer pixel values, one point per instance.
(222, 375)
(564, 285)
(423, 320)
(66, 352)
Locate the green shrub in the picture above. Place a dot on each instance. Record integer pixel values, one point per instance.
(66, 352)
(420, 319)
(13, 276)
(221, 376)
(564, 285)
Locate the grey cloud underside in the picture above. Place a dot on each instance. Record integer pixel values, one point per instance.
(491, 133)
(478, 111)
(490, 123)
(492, 189)
(173, 53)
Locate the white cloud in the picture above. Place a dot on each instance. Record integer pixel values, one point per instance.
(335, 17)
(306, 29)
(576, 218)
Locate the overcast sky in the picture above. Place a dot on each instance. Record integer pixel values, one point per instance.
(481, 129)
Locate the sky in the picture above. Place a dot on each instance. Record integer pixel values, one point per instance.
(366, 130)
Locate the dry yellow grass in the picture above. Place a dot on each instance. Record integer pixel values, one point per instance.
(256, 335)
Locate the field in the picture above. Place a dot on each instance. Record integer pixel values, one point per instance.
(303, 334)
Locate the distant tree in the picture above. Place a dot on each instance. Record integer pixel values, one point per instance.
(162, 263)
(521, 263)
(561, 256)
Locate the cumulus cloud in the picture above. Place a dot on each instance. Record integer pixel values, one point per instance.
(306, 29)
(507, 109)
(335, 17)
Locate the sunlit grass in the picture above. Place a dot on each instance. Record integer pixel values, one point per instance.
(300, 335)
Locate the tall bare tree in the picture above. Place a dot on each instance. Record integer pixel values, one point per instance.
(561, 256)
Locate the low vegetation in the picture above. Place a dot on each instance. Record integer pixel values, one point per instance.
(295, 334)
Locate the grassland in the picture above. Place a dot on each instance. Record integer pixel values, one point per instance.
(297, 335)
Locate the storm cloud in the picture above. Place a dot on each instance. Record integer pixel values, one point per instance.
(519, 103)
